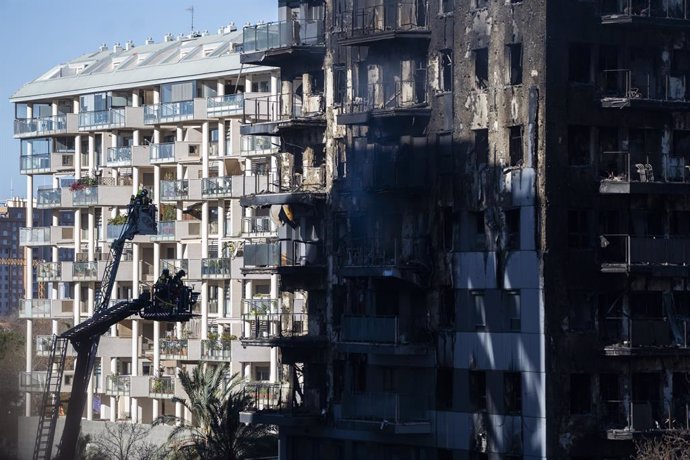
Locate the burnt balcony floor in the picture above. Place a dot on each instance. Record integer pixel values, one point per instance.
(630, 20)
(272, 128)
(385, 37)
(277, 57)
(284, 418)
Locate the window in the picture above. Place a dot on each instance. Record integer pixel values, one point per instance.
(446, 6)
(481, 146)
(512, 392)
(514, 63)
(479, 309)
(480, 4)
(339, 83)
(481, 68)
(579, 63)
(261, 86)
(578, 228)
(446, 70)
(479, 238)
(512, 221)
(515, 145)
(444, 388)
(513, 307)
(447, 307)
(580, 394)
(478, 390)
(261, 373)
(578, 145)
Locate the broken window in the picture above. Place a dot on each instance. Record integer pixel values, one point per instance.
(481, 68)
(481, 146)
(514, 63)
(477, 298)
(512, 220)
(579, 142)
(515, 145)
(444, 388)
(512, 302)
(578, 228)
(478, 390)
(580, 394)
(512, 392)
(446, 70)
(579, 63)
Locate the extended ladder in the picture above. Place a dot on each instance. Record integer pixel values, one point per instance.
(50, 406)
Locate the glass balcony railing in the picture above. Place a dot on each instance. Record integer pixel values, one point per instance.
(162, 153)
(174, 190)
(119, 156)
(166, 231)
(253, 225)
(262, 255)
(40, 126)
(47, 198)
(118, 385)
(34, 308)
(215, 268)
(216, 187)
(168, 112)
(34, 236)
(114, 231)
(174, 348)
(175, 265)
(161, 387)
(49, 271)
(34, 163)
(102, 118)
(283, 34)
(32, 381)
(44, 344)
(85, 271)
(87, 196)
(260, 305)
(392, 407)
(215, 350)
(259, 145)
(370, 329)
(220, 106)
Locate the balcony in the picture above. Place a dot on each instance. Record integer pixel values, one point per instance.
(268, 114)
(655, 13)
(102, 119)
(628, 174)
(42, 126)
(645, 254)
(48, 198)
(215, 350)
(284, 253)
(35, 163)
(118, 385)
(33, 382)
(85, 271)
(118, 156)
(48, 271)
(175, 265)
(634, 419)
(224, 106)
(273, 43)
(634, 336)
(45, 308)
(166, 231)
(392, 258)
(379, 24)
(85, 197)
(175, 112)
(174, 348)
(45, 236)
(174, 152)
(625, 88)
(405, 98)
(257, 226)
(274, 404)
(396, 413)
(216, 187)
(174, 190)
(259, 145)
(274, 328)
(217, 268)
(162, 387)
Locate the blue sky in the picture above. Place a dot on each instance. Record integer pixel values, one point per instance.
(38, 34)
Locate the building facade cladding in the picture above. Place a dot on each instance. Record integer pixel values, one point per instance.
(478, 298)
(180, 140)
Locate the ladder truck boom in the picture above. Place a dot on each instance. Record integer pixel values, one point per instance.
(162, 305)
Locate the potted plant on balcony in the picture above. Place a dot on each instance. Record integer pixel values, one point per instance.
(82, 183)
(226, 339)
(168, 212)
(120, 219)
(157, 385)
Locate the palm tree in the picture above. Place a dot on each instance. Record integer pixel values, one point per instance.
(215, 404)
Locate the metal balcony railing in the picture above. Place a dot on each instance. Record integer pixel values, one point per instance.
(283, 107)
(275, 325)
(394, 408)
(49, 271)
(173, 348)
(402, 16)
(221, 106)
(267, 396)
(626, 85)
(216, 187)
(646, 332)
(162, 153)
(35, 308)
(118, 385)
(646, 8)
(168, 112)
(33, 381)
(48, 198)
(40, 126)
(44, 345)
(388, 252)
(397, 95)
(161, 387)
(647, 415)
(112, 118)
(118, 156)
(174, 190)
(215, 350)
(283, 34)
(621, 166)
(627, 250)
(284, 253)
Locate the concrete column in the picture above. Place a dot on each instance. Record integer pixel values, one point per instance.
(91, 222)
(77, 157)
(115, 295)
(92, 153)
(155, 403)
(134, 410)
(28, 282)
(220, 87)
(113, 401)
(222, 147)
(275, 83)
(273, 376)
(205, 221)
(248, 294)
(248, 84)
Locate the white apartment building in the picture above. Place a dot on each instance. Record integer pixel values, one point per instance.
(164, 116)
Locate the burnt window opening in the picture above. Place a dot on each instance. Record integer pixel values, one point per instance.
(477, 390)
(476, 4)
(481, 68)
(512, 392)
(445, 151)
(579, 142)
(645, 149)
(579, 63)
(387, 379)
(580, 394)
(359, 373)
(446, 71)
(680, 155)
(611, 160)
(479, 310)
(447, 307)
(481, 146)
(608, 65)
(515, 145)
(340, 83)
(513, 307)
(512, 228)
(679, 223)
(444, 454)
(514, 63)
(447, 228)
(446, 6)
(478, 240)
(578, 229)
(444, 388)
(581, 311)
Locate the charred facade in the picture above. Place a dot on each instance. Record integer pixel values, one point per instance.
(484, 206)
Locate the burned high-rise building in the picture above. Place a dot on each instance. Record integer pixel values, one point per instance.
(485, 215)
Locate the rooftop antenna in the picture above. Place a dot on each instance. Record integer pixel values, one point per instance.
(191, 10)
